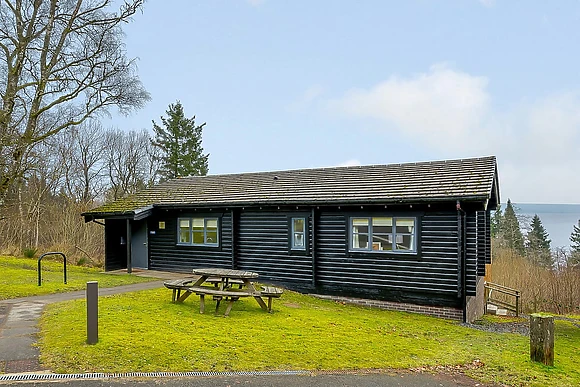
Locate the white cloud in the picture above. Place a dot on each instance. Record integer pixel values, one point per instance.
(437, 107)
(449, 112)
(310, 95)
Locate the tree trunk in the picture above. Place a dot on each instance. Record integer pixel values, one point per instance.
(542, 339)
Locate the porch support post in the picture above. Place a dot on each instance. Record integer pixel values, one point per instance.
(313, 233)
(129, 269)
(233, 240)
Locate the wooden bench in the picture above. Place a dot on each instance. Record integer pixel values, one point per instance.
(232, 295)
(271, 292)
(178, 285)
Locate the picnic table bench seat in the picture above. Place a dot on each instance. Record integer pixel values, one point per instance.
(271, 292)
(178, 285)
(234, 294)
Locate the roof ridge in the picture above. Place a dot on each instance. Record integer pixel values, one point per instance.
(338, 167)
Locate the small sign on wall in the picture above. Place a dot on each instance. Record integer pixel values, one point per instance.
(162, 225)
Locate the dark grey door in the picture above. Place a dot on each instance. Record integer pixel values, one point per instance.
(139, 251)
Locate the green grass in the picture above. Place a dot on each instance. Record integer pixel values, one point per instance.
(19, 277)
(144, 331)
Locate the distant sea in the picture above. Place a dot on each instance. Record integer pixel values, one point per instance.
(558, 219)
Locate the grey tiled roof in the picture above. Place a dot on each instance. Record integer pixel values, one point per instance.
(466, 179)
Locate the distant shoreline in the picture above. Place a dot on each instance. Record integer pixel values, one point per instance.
(558, 219)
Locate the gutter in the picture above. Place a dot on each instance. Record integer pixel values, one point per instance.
(461, 259)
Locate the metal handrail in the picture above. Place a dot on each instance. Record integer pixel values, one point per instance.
(490, 286)
(39, 266)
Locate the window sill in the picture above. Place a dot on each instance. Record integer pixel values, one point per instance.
(386, 254)
(197, 245)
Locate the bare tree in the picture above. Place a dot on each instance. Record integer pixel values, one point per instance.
(80, 151)
(61, 61)
(131, 162)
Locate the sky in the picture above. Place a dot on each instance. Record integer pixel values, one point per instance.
(300, 84)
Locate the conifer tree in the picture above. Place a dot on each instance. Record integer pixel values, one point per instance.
(179, 141)
(575, 246)
(495, 222)
(510, 229)
(539, 244)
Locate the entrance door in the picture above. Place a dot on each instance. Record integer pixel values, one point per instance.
(139, 251)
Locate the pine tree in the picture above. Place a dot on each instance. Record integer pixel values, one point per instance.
(179, 140)
(538, 243)
(575, 246)
(510, 229)
(495, 222)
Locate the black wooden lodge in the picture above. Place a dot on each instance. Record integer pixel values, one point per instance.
(416, 233)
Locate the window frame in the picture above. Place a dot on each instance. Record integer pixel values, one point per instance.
(205, 231)
(290, 227)
(369, 250)
(304, 233)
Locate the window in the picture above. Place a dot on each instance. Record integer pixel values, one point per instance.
(198, 231)
(382, 234)
(298, 235)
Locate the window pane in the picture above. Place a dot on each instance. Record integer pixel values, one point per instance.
(405, 225)
(298, 224)
(211, 237)
(184, 223)
(198, 238)
(211, 224)
(360, 225)
(406, 242)
(382, 225)
(382, 222)
(360, 241)
(197, 224)
(298, 239)
(184, 236)
(382, 242)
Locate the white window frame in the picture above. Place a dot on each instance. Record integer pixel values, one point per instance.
(369, 248)
(303, 232)
(205, 222)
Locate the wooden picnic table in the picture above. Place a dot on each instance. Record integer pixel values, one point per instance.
(227, 278)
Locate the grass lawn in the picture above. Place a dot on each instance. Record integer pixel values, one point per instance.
(144, 331)
(19, 277)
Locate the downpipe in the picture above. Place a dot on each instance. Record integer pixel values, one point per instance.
(461, 233)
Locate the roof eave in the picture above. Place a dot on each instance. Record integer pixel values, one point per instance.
(474, 198)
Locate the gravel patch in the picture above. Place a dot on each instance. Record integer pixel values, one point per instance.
(521, 328)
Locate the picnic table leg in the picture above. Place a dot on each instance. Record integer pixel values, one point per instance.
(217, 304)
(229, 308)
(201, 303)
(261, 302)
(173, 298)
(186, 293)
(251, 287)
(200, 280)
(269, 304)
